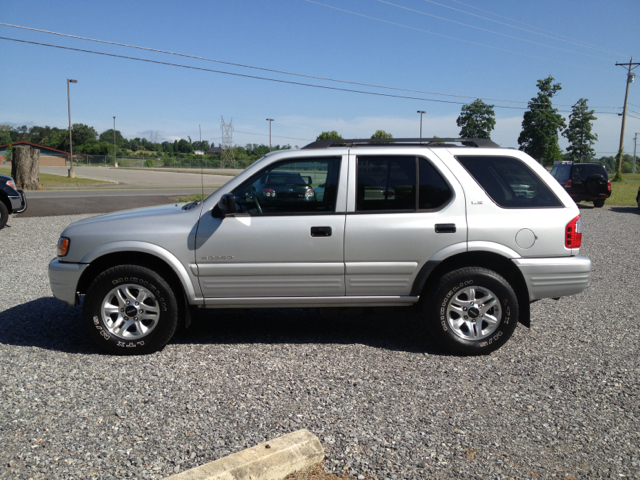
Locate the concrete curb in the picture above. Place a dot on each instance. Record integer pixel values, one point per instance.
(272, 460)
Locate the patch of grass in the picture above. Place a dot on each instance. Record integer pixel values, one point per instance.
(183, 170)
(192, 198)
(624, 193)
(49, 179)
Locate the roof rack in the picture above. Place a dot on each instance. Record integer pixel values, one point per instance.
(394, 142)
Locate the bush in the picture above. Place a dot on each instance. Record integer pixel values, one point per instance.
(149, 163)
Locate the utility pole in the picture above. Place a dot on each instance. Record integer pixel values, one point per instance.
(635, 139)
(630, 78)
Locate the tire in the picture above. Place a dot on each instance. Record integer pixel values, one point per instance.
(598, 203)
(596, 184)
(4, 215)
(131, 310)
(470, 288)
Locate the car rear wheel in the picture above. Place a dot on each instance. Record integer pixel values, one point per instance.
(130, 310)
(598, 203)
(4, 215)
(473, 311)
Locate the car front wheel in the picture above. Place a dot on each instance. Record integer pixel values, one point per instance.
(473, 311)
(4, 215)
(130, 310)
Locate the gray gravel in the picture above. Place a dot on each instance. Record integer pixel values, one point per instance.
(559, 400)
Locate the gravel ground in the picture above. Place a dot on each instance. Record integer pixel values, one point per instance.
(559, 400)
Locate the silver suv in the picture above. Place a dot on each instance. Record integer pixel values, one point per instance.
(470, 235)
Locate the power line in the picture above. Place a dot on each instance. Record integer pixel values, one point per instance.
(378, 94)
(450, 37)
(553, 36)
(486, 30)
(533, 26)
(273, 70)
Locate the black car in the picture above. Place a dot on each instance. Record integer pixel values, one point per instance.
(584, 181)
(12, 200)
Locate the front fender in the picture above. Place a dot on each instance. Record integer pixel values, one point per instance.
(151, 249)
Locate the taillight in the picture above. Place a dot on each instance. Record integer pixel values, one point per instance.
(573, 233)
(609, 185)
(568, 183)
(269, 192)
(309, 193)
(10, 183)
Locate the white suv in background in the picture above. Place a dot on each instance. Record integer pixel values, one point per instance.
(470, 234)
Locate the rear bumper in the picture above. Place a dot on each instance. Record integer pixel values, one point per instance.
(554, 277)
(63, 279)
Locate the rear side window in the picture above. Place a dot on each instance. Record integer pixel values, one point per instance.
(584, 171)
(509, 182)
(393, 183)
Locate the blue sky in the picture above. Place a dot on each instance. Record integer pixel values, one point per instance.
(490, 49)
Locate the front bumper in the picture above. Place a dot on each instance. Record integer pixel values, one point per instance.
(554, 277)
(63, 279)
(18, 203)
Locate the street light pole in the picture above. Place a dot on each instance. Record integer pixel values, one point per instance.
(269, 120)
(114, 141)
(421, 112)
(72, 172)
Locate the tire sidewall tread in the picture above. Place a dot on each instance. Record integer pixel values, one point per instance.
(449, 284)
(147, 278)
(4, 215)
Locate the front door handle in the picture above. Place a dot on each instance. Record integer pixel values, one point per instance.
(320, 231)
(445, 228)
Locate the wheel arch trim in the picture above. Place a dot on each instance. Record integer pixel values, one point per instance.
(151, 249)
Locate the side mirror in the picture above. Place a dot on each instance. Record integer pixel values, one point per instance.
(226, 205)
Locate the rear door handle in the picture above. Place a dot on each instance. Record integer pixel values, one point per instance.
(320, 231)
(445, 228)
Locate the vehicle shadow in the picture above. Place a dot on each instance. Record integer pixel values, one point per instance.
(53, 325)
(632, 210)
(389, 329)
(45, 323)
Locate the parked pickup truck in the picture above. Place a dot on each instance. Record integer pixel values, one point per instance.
(468, 235)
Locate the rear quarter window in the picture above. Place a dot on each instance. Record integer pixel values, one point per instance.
(509, 182)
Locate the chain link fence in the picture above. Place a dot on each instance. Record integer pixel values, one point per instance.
(154, 162)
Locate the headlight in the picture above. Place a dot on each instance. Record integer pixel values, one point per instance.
(63, 246)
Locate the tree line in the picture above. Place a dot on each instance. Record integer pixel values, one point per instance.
(87, 141)
(542, 126)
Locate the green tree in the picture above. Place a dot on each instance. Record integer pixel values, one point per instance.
(83, 133)
(184, 146)
(476, 120)
(107, 136)
(541, 124)
(332, 135)
(5, 134)
(381, 134)
(579, 132)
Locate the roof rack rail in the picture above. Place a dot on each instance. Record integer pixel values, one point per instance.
(394, 142)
